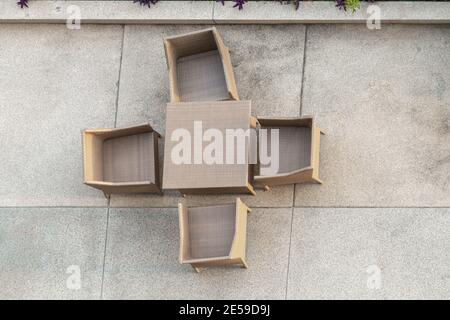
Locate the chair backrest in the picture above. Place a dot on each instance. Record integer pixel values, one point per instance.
(182, 46)
(240, 238)
(92, 156)
(191, 43)
(183, 219)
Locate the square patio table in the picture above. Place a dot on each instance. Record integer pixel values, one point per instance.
(196, 176)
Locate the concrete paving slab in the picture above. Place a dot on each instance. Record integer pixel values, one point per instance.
(356, 253)
(142, 259)
(54, 83)
(45, 249)
(268, 63)
(382, 98)
(267, 72)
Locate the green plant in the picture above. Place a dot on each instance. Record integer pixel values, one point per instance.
(353, 4)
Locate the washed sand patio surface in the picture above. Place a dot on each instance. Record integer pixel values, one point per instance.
(382, 97)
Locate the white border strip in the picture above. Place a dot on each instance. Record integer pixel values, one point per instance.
(268, 12)
(108, 12)
(209, 12)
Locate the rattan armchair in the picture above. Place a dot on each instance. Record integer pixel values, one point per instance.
(299, 152)
(215, 235)
(122, 160)
(200, 67)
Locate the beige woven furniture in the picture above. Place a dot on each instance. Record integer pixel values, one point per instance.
(299, 147)
(122, 160)
(215, 235)
(191, 177)
(200, 67)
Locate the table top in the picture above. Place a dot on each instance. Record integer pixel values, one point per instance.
(198, 174)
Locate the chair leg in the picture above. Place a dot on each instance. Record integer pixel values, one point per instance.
(246, 207)
(106, 195)
(322, 132)
(244, 264)
(251, 190)
(317, 180)
(197, 268)
(262, 187)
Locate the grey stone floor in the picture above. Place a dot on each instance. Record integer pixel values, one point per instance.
(383, 98)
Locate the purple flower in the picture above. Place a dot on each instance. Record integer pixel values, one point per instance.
(146, 2)
(239, 4)
(23, 3)
(341, 4)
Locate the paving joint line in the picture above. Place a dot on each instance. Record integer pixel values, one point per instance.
(115, 125)
(120, 73)
(303, 70)
(366, 207)
(104, 248)
(174, 207)
(53, 207)
(289, 254)
(213, 11)
(302, 81)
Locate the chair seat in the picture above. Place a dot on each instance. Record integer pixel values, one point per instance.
(294, 149)
(129, 158)
(211, 231)
(201, 77)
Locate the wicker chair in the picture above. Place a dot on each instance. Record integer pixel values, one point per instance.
(122, 160)
(215, 235)
(299, 147)
(200, 67)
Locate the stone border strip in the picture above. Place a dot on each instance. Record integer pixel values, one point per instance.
(108, 12)
(325, 12)
(210, 12)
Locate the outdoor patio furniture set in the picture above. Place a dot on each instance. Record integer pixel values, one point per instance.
(202, 90)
